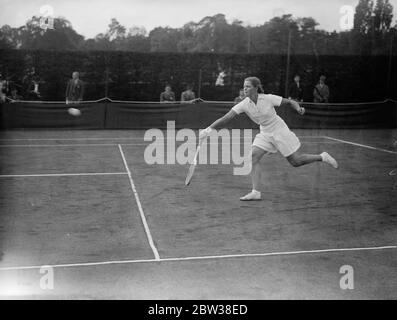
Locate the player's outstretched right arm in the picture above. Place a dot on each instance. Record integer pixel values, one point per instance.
(218, 123)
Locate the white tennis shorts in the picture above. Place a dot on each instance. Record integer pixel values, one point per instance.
(282, 140)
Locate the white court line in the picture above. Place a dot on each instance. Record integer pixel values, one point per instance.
(228, 256)
(360, 145)
(145, 224)
(117, 138)
(67, 139)
(62, 174)
(124, 144)
(59, 145)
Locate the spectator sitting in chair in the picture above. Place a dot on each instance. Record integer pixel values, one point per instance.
(296, 90)
(240, 98)
(167, 96)
(14, 95)
(321, 91)
(74, 89)
(31, 82)
(188, 95)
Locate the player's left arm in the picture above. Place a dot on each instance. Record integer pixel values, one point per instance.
(292, 104)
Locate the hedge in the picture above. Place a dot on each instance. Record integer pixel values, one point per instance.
(142, 76)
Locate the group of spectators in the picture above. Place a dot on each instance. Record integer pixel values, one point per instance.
(8, 90)
(31, 82)
(75, 90)
(320, 92)
(28, 90)
(168, 96)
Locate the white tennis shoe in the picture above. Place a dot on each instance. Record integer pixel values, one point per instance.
(328, 159)
(252, 196)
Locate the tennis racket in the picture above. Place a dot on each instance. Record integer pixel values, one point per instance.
(193, 165)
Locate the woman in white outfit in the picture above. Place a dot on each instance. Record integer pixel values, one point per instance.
(274, 133)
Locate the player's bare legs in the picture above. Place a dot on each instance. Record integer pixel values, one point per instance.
(298, 159)
(256, 174)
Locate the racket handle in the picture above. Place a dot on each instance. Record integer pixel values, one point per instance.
(196, 155)
(197, 152)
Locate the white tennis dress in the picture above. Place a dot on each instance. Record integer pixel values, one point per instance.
(274, 133)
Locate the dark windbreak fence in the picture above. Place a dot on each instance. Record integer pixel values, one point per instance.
(142, 76)
(110, 114)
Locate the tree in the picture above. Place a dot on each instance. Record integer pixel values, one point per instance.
(277, 31)
(371, 34)
(371, 24)
(136, 40)
(115, 31)
(363, 16)
(137, 31)
(213, 34)
(100, 42)
(383, 16)
(164, 40)
(62, 37)
(8, 37)
(308, 36)
(137, 43)
(203, 36)
(112, 39)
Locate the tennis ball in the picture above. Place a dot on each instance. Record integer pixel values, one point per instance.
(74, 112)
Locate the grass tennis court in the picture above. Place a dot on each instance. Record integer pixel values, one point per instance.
(114, 227)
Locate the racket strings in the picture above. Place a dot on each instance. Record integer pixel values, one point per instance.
(192, 166)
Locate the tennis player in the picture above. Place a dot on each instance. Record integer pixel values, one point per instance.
(274, 133)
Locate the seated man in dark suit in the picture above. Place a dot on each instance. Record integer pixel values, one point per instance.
(321, 91)
(296, 90)
(74, 89)
(188, 95)
(167, 96)
(14, 95)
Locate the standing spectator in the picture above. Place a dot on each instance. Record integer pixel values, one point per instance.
(74, 89)
(188, 95)
(240, 98)
(220, 81)
(321, 91)
(296, 90)
(167, 96)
